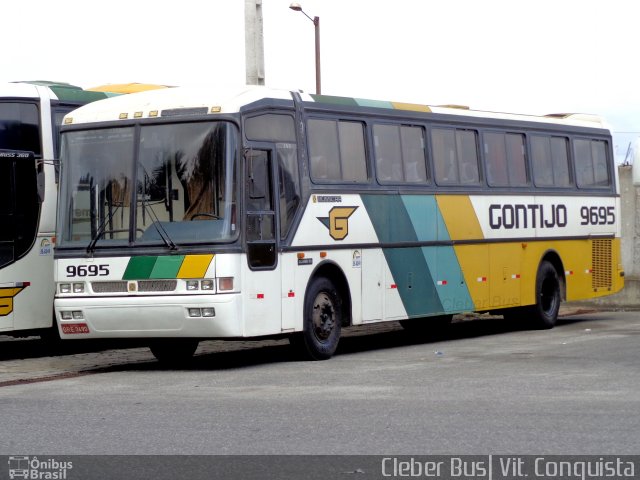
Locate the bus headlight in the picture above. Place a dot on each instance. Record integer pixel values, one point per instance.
(206, 284)
(78, 288)
(208, 312)
(195, 312)
(65, 288)
(77, 315)
(66, 315)
(192, 285)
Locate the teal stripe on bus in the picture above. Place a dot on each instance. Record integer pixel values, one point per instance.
(408, 266)
(425, 217)
(363, 102)
(447, 276)
(413, 280)
(444, 266)
(429, 279)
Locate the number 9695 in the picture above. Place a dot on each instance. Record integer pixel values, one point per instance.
(87, 270)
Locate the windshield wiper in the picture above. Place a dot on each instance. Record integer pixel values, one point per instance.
(101, 229)
(158, 225)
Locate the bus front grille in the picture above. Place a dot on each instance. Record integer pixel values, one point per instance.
(109, 287)
(601, 251)
(157, 285)
(142, 286)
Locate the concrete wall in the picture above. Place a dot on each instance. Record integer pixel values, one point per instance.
(630, 218)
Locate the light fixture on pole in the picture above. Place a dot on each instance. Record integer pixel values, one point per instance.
(316, 23)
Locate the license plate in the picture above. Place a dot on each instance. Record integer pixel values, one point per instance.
(73, 328)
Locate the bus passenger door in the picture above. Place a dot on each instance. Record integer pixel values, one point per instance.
(262, 282)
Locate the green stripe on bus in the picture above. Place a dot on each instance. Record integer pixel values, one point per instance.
(334, 100)
(146, 267)
(139, 268)
(390, 219)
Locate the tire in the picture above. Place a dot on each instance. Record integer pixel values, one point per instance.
(322, 321)
(175, 351)
(425, 325)
(544, 314)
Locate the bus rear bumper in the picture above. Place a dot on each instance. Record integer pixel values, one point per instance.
(215, 316)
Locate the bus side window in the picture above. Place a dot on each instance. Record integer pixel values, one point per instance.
(467, 145)
(584, 166)
(505, 157)
(413, 154)
(600, 169)
(444, 156)
(388, 153)
(337, 150)
(496, 158)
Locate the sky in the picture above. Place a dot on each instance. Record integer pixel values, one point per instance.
(521, 56)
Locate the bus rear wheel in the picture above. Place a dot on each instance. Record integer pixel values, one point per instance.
(544, 313)
(322, 321)
(174, 351)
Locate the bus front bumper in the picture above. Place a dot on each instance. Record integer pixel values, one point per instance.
(207, 316)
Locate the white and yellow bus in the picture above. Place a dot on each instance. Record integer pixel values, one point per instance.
(30, 117)
(190, 214)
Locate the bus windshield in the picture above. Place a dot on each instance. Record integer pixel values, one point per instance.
(159, 184)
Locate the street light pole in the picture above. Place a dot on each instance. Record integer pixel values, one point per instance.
(316, 24)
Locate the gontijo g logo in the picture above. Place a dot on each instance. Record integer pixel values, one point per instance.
(338, 221)
(6, 297)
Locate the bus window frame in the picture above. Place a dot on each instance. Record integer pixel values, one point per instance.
(482, 183)
(550, 135)
(366, 138)
(529, 185)
(373, 153)
(609, 161)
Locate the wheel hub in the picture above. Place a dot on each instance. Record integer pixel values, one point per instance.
(323, 316)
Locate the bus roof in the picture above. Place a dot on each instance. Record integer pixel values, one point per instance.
(64, 92)
(577, 119)
(152, 103)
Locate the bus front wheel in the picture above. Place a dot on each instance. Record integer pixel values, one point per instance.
(322, 321)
